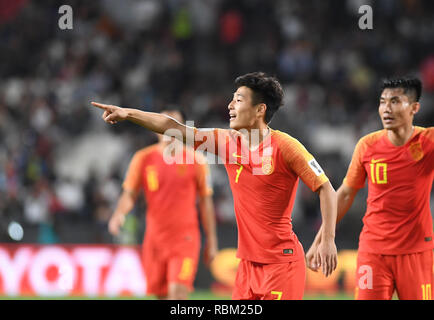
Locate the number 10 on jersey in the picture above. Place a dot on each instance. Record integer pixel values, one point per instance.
(378, 172)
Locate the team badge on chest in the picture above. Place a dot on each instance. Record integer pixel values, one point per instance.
(267, 165)
(416, 151)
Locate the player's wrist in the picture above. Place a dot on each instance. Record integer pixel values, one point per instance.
(328, 237)
(211, 240)
(130, 112)
(121, 214)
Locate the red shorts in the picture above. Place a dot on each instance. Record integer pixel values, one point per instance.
(164, 265)
(378, 276)
(275, 281)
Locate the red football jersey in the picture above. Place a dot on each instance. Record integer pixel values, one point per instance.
(170, 190)
(264, 184)
(398, 217)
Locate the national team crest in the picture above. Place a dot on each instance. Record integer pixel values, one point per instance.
(267, 165)
(416, 151)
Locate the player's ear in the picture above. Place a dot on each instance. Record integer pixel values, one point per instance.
(261, 110)
(415, 107)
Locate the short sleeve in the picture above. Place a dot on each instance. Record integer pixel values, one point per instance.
(431, 148)
(303, 163)
(428, 147)
(204, 180)
(133, 178)
(356, 173)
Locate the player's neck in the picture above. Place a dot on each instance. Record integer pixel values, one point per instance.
(255, 136)
(401, 135)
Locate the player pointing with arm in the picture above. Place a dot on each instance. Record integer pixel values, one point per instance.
(172, 238)
(395, 245)
(264, 167)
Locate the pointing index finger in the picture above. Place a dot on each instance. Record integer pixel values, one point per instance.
(101, 105)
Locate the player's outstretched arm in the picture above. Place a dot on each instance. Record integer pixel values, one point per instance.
(326, 254)
(156, 122)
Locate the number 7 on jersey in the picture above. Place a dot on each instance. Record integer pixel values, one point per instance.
(238, 173)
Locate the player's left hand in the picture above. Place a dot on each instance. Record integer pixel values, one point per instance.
(311, 258)
(327, 256)
(115, 223)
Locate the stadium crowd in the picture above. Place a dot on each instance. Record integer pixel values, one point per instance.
(55, 172)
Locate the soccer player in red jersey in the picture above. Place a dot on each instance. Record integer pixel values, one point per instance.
(264, 167)
(171, 244)
(396, 243)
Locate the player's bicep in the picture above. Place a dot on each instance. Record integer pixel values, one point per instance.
(345, 198)
(130, 194)
(212, 140)
(346, 192)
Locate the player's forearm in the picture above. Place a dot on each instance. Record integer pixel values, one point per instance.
(328, 203)
(125, 204)
(207, 215)
(317, 239)
(345, 197)
(156, 122)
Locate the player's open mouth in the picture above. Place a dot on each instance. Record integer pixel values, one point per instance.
(388, 119)
(231, 117)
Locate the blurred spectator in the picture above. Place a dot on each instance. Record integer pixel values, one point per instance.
(38, 208)
(427, 71)
(70, 194)
(231, 27)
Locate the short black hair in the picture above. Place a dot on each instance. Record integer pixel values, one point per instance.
(412, 86)
(266, 89)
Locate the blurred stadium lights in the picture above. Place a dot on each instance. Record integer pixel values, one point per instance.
(15, 231)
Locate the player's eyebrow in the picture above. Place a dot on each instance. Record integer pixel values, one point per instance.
(391, 98)
(238, 94)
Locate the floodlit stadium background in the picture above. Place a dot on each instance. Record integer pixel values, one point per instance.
(61, 167)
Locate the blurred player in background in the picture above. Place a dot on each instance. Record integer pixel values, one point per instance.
(171, 245)
(264, 167)
(396, 243)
